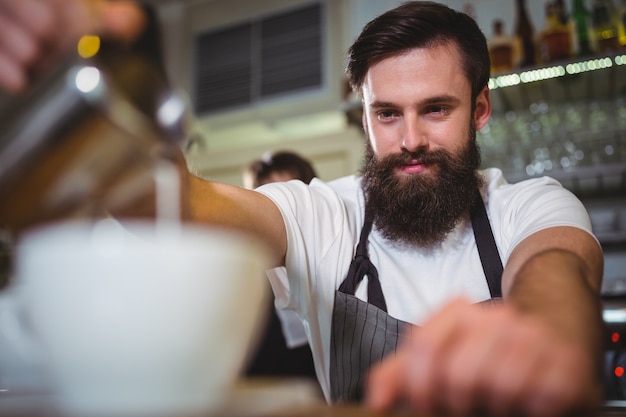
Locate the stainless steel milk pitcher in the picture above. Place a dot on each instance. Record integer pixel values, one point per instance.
(86, 138)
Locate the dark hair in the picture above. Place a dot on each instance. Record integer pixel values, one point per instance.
(282, 161)
(420, 24)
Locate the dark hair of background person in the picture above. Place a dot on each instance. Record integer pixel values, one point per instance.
(261, 169)
(419, 25)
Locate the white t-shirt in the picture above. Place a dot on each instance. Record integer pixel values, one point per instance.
(290, 322)
(323, 222)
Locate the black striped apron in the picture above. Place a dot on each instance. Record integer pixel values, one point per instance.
(362, 333)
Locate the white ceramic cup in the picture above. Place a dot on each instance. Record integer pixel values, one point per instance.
(140, 320)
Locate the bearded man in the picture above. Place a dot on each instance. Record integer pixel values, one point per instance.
(389, 271)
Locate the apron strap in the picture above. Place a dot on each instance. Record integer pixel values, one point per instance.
(362, 266)
(487, 249)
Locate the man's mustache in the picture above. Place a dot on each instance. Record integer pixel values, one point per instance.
(423, 157)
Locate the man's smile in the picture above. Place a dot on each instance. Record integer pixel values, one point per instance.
(413, 167)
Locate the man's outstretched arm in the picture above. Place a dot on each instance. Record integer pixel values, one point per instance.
(539, 352)
(208, 202)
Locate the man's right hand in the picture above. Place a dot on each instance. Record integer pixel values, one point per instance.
(34, 34)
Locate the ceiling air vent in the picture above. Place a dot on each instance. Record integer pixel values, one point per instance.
(260, 59)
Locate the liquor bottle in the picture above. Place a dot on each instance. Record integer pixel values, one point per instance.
(559, 5)
(555, 39)
(621, 24)
(604, 27)
(501, 49)
(580, 15)
(525, 31)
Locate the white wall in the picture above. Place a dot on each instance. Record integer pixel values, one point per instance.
(332, 156)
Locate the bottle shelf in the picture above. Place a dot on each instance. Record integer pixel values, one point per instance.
(598, 77)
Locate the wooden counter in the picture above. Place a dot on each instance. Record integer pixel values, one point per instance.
(251, 398)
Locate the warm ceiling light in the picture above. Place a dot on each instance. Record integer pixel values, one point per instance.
(88, 46)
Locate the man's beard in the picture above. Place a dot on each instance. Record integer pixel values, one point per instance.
(420, 210)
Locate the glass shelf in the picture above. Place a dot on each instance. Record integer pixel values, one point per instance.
(567, 121)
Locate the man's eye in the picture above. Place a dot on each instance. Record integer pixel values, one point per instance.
(386, 114)
(437, 109)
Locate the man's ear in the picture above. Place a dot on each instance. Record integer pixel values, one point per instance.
(482, 112)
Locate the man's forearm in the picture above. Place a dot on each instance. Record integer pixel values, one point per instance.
(554, 286)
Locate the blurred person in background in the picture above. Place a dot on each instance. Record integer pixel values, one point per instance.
(278, 166)
(413, 247)
(283, 349)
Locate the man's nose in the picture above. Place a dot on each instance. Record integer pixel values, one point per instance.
(414, 135)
